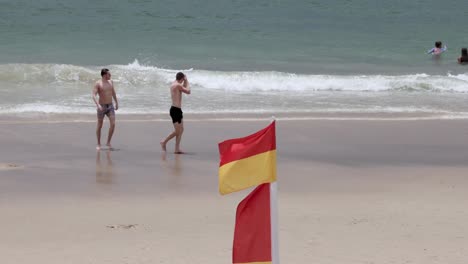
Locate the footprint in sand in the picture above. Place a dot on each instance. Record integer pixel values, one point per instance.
(9, 166)
(122, 226)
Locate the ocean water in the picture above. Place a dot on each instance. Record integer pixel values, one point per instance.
(273, 56)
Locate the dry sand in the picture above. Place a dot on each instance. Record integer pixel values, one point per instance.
(349, 192)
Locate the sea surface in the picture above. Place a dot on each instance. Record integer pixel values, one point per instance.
(335, 57)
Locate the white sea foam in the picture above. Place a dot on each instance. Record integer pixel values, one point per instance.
(136, 75)
(57, 88)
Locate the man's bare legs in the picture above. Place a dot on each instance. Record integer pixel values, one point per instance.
(177, 133)
(98, 133)
(179, 128)
(109, 136)
(164, 142)
(111, 130)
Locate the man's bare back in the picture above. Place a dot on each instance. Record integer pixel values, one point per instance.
(176, 92)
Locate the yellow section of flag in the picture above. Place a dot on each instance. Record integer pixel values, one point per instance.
(244, 173)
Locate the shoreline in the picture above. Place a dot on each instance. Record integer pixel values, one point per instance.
(57, 153)
(222, 117)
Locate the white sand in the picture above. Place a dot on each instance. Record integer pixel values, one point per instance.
(349, 192)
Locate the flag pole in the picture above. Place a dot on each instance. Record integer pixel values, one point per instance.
(274, 217)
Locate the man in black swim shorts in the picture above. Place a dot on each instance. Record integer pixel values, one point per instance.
(176, 114)
(179, 86)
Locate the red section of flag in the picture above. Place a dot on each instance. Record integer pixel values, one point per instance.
(241, 148)
(252, 235)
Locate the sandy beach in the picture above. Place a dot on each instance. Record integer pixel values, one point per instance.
(350, 191)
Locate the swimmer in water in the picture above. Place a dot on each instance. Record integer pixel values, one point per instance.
(437, 50)
(463, 59)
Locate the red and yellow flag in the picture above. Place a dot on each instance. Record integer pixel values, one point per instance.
(247, 161)
(252, 234)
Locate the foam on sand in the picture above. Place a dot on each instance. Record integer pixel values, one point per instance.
(9, 166)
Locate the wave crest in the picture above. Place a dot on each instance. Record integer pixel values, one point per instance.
(137, 75)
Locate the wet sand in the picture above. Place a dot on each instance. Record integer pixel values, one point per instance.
(351, 191)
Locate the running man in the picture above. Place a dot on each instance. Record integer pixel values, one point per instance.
(106, 91)
(179, 86)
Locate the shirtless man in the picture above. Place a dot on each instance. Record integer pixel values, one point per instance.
(179, 86)
(105, 89)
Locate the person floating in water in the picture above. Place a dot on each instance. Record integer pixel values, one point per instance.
(437, 50)
(463, 59)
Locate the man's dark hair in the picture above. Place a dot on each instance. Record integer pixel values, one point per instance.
(464, 52)
(104, 72)
(179, 76)
(438, 44)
